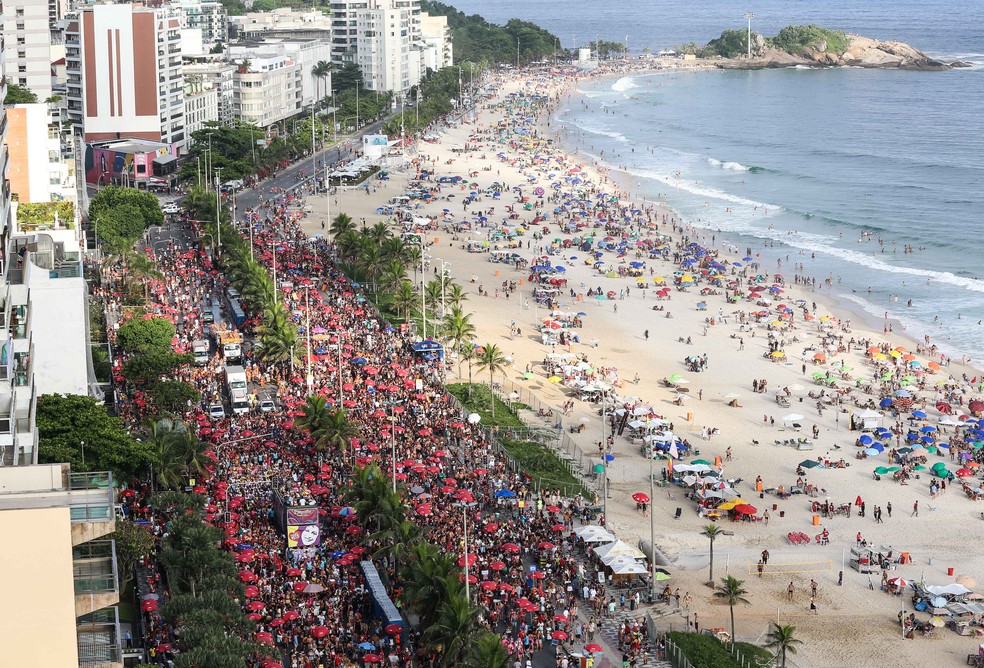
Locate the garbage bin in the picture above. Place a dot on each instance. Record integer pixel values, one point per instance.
(782, 513)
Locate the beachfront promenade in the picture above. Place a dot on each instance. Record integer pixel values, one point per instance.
(821, 369)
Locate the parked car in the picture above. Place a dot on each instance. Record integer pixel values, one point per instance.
(216, 411)
(171, 208)
(267, 405)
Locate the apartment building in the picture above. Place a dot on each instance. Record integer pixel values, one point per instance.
(206, 16)
(281, 22)
(385, 50)
(201, 104)
(345, 29)
(42, 168)
(219, 75)
(123, 64)
(267, 85)
(27, 29)
(435, 41)
(60, 592)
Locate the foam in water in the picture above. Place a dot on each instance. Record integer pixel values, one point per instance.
(697, 189)
(730, 165)
(624, 84)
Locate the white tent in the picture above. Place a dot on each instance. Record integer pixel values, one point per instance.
(869, 419)
(615, 560)
(594, 534)
(619, 547)
(950, 589)
(630, 569)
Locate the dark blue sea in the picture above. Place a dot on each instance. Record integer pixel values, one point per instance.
(838, 169)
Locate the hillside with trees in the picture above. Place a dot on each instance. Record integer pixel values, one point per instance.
(476, 40)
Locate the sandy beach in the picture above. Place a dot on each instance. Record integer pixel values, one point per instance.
(856, 624)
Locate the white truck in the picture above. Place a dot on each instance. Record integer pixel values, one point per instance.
(238, 390)
(231, 343)
(200, 350)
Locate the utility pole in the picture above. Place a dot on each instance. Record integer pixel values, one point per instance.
(314, 153)
(218, 211)
(517, 53)
(307, 328)
(749, 16)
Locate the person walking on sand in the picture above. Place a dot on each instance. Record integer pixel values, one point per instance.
(789, 590)
(915, 509)
(813, 607)
(765, 557)
(888, 507)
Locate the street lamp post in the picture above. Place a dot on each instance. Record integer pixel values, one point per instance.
(464, 516)
(444, 276)
(307, 330)
(604, 458)
(652, 521)
(423, 281)
(218, 210)
(392, 410)
(749, 16)
(338, 334)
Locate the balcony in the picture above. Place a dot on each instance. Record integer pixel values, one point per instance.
(99, 639)
(94, 570)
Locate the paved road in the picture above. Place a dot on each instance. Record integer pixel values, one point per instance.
(247, 199)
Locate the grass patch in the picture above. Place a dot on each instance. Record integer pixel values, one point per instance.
(709, 652)
(477, 398)
(540, 463)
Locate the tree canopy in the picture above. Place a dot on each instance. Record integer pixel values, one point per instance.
(122, 214)
(477, 40)
(65, 422)
(19, 95)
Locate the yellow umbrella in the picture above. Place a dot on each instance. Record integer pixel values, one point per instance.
(778, 353)
(824, 318)
(881, 357)
(776, 323)
(686, 278)
(554, 379)
(895, 353)
(728, 505)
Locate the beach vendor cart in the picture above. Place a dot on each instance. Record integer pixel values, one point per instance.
(864, 560)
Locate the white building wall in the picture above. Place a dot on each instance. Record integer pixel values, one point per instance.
(27, 34)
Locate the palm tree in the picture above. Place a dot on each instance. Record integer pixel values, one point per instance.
(177, 451)
(336, 431)
(782, 639)
(392, 274)
(456, 629)
(489, 652)
(458, 329)
(404, 299)
(341, 224)
(379, 232)
(433, 294)
(412, 255)
(456, 295)
(426, 575)
(398, 540)
(314, 414)
(468, 353)
(348, 245)
(320, 71)
(732, 591)
(712, 531)
(492, 359)
(371, 260)
(277, 335)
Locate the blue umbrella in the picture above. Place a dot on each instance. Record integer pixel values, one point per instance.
(505, 494)
(902, 393)
(928, 429)
(366, 646)
(885, 403)
(871, 452)
(919, 414)
(360, 360)
(609, 458)
(866, 440)
(878, 446)
(746, 259)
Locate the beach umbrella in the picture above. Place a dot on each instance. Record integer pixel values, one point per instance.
(899, 582)
(639, 497)
(593, 648)
(745, 509)
(866, 440)
(505, 494)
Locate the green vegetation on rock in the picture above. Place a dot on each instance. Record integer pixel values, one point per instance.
(795, 39)
(730, 44)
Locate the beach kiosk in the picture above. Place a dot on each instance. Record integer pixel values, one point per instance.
(425, 348)
(864, 560)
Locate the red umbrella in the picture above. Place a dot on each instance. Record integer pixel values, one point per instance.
(553, 509)
(745, 509)
(857, 501)
(506, 587)
(594, 648)
(559, 635)
(252, 591)
(254, 616)
(639, 497)
(497, 565)
(370, 658)
(511, 547)
(393, 629)
(492, 527)
(558, 527)
(265, 637)
(291, 615)
(293, 572)
(299, 586)
(277, 621)
(320, 631)
(471, 560)
(488, 585)
(255, 606)
(545, 545)
(149, 605)
(247, 576)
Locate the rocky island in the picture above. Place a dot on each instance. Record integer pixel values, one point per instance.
(813, 46)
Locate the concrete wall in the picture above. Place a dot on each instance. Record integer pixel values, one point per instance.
(37, 617)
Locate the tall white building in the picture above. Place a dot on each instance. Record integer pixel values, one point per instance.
(435, 40)
(345, 29)
(219, 74)
(124, 74)
(269, 90)
(207, 16)
(201, 102)
(385, 51)
(27, 31)
(41, 167)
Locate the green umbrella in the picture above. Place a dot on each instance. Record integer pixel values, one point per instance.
(661, 576)
(701, 461)
(527, 375)
(881, 470)
(893, 469)
(818, 375)
(920, 468)
(931, 450)
(599, 468)
(976, 445)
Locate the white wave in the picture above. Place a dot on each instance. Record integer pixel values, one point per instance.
(733, 166)
(588, 93)
(698, 189)
(618, 136)
(624, 84)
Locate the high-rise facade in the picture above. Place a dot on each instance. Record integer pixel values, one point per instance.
(124, 74)
(27, 29)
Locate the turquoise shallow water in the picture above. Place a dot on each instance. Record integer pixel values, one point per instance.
(809, 160)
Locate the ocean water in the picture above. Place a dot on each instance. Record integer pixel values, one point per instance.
(838, 169)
